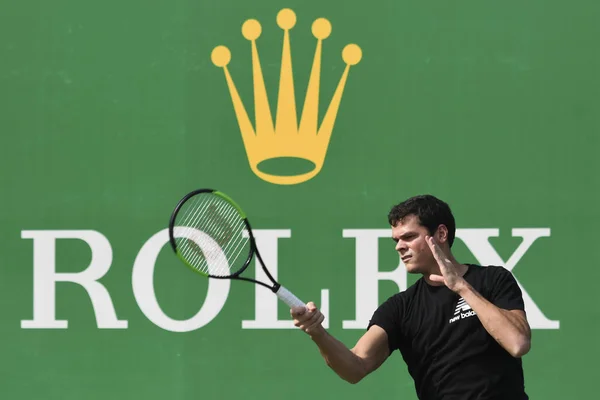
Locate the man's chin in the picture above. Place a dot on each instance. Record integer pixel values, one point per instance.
(413, 268)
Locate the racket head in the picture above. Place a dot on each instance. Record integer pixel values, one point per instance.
(211, 234)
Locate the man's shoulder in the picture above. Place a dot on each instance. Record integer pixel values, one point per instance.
(490, 277)
(488, 271)
(408, 294)
(398, 303)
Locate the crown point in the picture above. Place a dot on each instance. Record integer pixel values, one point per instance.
(220, 56)
(286, 19)
(251, 29)
(321, 28)
(352, 54)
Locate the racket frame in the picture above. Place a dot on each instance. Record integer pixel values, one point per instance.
(253, 248)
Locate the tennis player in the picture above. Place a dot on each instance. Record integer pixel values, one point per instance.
(461, 328)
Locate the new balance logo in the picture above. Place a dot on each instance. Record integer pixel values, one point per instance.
(463, 310)
(462, 306)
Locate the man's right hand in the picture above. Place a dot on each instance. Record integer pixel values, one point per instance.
(308, 319)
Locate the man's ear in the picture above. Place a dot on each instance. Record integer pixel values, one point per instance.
(442, 234)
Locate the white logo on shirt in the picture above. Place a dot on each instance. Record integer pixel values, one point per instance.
(463, 310)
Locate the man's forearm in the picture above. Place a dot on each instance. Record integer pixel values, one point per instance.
(509, 330)
(338, 357)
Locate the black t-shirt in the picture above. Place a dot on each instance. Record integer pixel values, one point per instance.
(448, 352)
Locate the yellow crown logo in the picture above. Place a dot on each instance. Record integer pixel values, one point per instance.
(286, 138)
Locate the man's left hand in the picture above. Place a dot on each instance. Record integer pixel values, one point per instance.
(450, 276)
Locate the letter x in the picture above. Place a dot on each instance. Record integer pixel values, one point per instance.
(477, 242)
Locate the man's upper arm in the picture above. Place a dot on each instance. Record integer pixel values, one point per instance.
(506, 293)
(507, 296)
(372, 348)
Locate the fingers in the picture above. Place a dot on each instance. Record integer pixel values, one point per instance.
(313, 323)
(308, 319)
(297, 312)
(304, 313)
(431, 244)
(437, 251)
(316, 326)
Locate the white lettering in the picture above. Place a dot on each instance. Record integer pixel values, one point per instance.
(367, 277)
(462, 316)
(143, 282)
(45, 278)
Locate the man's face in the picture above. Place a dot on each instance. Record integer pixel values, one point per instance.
(411, 245)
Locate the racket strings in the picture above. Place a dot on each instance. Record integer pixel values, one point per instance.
(212, 238)
(236, 246)
(204, 256)
(190, 242)
(215, 224)
(196, 256)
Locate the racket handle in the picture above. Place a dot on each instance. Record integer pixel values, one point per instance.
(288, 298)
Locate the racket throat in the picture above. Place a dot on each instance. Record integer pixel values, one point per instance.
(275, 287)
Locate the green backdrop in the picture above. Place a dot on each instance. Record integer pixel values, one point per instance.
(111, 111)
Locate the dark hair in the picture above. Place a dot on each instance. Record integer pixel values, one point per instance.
(430, 211)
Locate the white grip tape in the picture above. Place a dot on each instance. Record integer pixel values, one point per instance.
(288, 298)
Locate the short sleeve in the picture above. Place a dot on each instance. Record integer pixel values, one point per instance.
(388, 317)
(505, 292)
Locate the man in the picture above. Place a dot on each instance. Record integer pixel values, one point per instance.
(461, 328)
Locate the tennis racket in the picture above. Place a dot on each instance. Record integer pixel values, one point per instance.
(211, 234)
